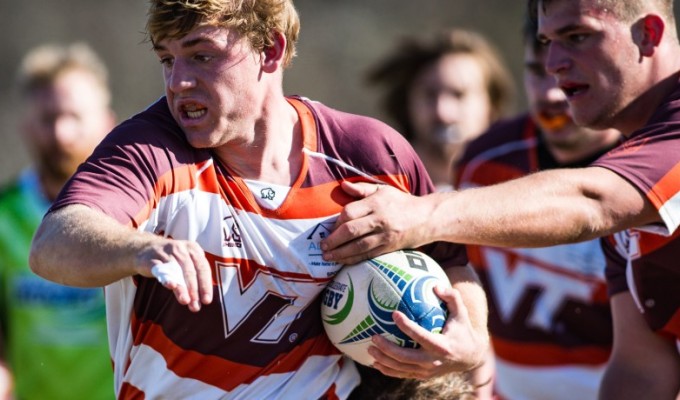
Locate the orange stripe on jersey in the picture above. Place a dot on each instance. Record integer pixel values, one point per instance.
(672, 328)
(130, 392)
(330, 394)
(301, 203)
(307, 204)
(178, 180)
(665, 188)
(211, 369)
(307, 123)
(650, 242)
(548, 354)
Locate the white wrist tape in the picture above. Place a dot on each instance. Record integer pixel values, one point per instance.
(169, 272)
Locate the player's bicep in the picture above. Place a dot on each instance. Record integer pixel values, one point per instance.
(617, 203)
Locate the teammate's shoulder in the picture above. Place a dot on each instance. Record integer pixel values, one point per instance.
(508, 129)
(328, 115)
(500, 133)
(351, 132)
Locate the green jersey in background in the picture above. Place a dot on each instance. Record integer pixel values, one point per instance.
(55, 336)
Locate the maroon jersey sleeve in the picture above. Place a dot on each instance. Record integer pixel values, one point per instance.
(650, 160)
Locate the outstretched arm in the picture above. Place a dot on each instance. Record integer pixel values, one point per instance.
(79, 246)
(542, 209)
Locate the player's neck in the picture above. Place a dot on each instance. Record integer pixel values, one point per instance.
(275, 155)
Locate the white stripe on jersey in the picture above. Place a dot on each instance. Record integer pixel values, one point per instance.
(556, 383)
(119, 297)
(313, 378)
(342, 164)
(670, 213)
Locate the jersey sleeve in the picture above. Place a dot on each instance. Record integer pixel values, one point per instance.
(135, 165)
(650, 161)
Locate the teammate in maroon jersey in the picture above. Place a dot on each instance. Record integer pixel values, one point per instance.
(549, 318)
(221, 192)
(617, 64)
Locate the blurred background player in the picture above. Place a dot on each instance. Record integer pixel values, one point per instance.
(549, 318)
(55, 336)
(443, 92)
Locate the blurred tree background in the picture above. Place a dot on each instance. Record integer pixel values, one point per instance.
(339, 40)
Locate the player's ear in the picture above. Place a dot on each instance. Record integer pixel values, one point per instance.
(274, 54)
(648, 32)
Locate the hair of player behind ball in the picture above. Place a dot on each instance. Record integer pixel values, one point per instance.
(376, 386)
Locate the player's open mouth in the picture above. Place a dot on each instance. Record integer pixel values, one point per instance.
(571, 90)
(193, 111)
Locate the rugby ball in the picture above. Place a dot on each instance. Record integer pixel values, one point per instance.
(358, 303)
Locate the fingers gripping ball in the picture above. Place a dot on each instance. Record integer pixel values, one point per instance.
(359, 301)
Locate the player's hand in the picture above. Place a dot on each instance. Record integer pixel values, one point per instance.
(385, 219)
(180, 266)
(458, 348)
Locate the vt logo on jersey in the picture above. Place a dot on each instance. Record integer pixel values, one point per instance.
(266, 321)
(513, 275)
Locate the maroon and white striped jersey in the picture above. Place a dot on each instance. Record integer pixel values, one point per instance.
(647, 264)
(549, 315)
(262, 336)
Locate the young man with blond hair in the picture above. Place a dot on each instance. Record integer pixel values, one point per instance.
(213, 289)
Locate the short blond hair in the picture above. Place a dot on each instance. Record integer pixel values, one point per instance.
(254, 19)
(626, 11)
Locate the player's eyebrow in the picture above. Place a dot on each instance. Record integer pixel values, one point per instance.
(565, 30)
(187, 44)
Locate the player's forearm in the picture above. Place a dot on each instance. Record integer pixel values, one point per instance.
(79, 246)
(539, 210)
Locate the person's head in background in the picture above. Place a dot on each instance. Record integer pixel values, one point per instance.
(549, 108)
(66, 103)
(442, 93)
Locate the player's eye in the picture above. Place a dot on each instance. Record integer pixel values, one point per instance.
(577, 38)
(166, 61)
(202, 58)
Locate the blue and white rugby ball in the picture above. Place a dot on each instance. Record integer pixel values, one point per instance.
(359, 301)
